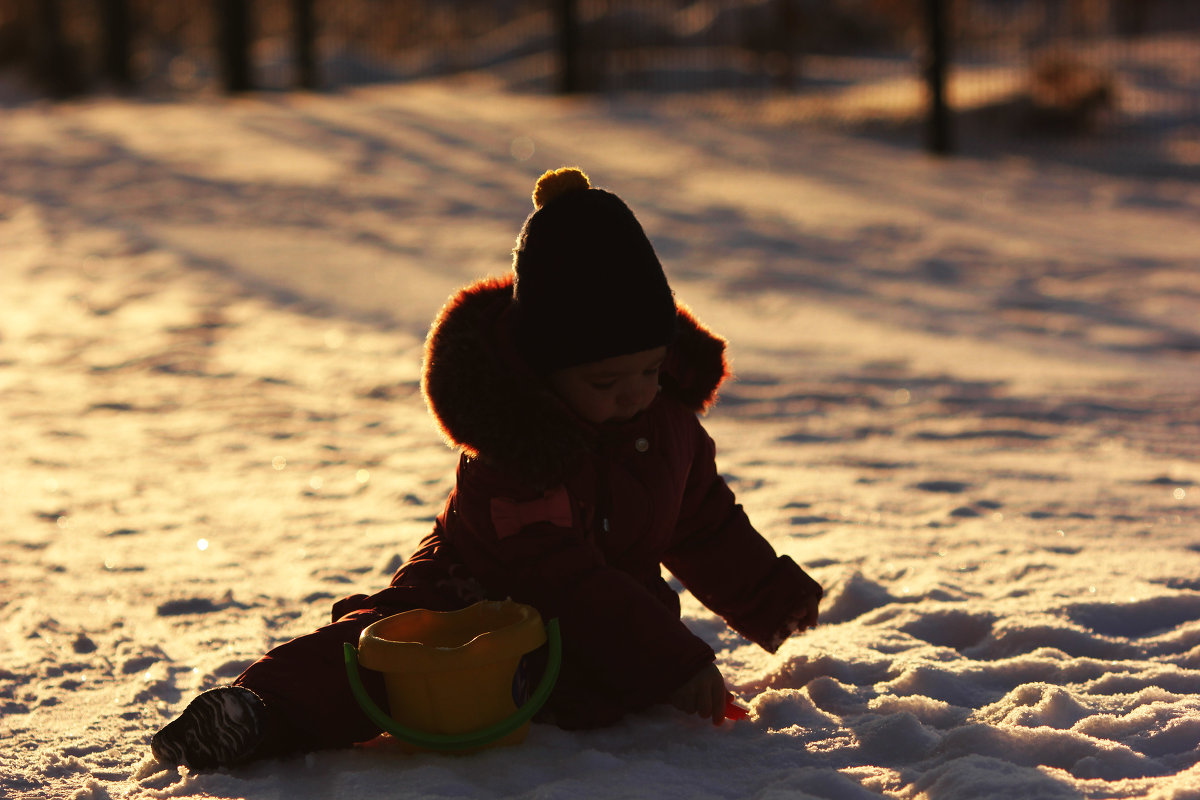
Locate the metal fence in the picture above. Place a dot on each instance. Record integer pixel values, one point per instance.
(1018, 66)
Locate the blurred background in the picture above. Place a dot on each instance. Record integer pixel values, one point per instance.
(1119, 78)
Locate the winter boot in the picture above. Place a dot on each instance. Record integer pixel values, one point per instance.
(220, 727)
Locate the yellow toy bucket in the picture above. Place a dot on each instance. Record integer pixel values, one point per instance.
(454, 679)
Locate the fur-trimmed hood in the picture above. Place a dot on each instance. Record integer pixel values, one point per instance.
(492, 405)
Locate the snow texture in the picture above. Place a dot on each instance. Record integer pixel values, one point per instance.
(965, 401)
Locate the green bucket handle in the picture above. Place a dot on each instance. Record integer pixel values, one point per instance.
(471, 740)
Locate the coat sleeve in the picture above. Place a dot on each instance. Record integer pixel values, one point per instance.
(719, 556)
(623, 649)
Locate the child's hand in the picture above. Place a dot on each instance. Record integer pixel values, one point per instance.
(703, 694)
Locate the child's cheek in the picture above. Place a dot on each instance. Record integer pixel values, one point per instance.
(598, 408)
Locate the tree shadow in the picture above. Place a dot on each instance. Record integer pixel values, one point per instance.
(465, 174)
(93, 178)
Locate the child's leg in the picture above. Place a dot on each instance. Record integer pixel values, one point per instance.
(296, 697)
(307, 694)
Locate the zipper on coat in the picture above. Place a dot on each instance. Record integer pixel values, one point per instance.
(603, 498)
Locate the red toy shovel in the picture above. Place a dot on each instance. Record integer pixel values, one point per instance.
(732, 710)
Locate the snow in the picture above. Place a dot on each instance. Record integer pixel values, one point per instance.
(965, 401)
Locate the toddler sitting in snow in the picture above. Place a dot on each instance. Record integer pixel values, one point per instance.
(572, 389)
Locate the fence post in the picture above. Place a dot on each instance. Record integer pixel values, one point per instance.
(785, 39)
(233, 21)
(1132, 17)
(568, 46)
(305, 33)
(938, 139)
(55, 65)
(114, 18)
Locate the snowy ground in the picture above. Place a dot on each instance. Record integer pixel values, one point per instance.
(966, 402)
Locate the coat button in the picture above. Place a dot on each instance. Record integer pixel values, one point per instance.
(642, 445)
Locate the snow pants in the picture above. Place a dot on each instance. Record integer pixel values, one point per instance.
(304, 685)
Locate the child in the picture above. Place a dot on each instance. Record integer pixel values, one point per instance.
(572, 389)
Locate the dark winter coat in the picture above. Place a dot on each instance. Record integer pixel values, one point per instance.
(575, 519)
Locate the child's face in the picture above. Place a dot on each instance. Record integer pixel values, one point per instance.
(612, 389)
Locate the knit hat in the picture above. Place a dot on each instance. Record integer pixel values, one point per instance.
(588, 285)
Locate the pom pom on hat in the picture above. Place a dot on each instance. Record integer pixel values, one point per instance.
(588, 283)
(557, 182)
